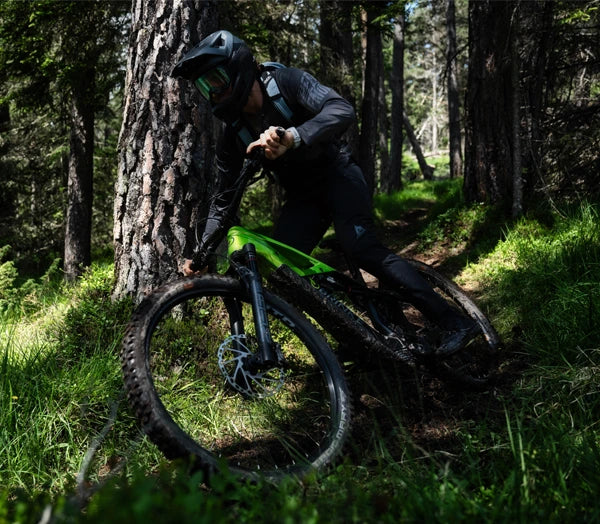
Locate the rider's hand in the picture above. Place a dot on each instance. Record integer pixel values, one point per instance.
(273, 145)
(186, 269)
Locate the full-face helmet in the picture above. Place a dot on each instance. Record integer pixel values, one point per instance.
(223, 69)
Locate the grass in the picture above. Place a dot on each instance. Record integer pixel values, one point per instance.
(436, 196)
(529, 450)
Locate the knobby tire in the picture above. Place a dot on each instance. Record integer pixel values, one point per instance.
(294, 419)
(474, 365)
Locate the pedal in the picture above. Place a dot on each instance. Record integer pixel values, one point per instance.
(456, 341)
(407, 349)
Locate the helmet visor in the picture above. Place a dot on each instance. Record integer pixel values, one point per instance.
(213, 84)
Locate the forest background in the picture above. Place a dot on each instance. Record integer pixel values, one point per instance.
(506, 94)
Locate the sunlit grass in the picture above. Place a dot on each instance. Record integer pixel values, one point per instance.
(533, 456)
(25, 336)
(434, 196)
(56, 391)
(550, 278)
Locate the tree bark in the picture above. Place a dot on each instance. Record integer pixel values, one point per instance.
(369, 113)
(337, 55)
(488, 158)
(383, 126)
(453, 97)
(166, 148)
(78, 226)
(435, 102)
(515, 66)
(394, 181)
(426, 169)
(534, 91)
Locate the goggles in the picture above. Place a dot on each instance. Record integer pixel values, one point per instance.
(213, 83)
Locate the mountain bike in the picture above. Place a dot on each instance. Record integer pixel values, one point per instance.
(236, 370)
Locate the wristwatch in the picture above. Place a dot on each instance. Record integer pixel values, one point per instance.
(296, 135)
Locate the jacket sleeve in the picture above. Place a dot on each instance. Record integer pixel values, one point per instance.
(330, 114)
(229, 163)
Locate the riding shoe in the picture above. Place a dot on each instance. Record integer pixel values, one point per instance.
(455, 340)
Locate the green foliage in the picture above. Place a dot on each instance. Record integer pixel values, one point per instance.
(462, 225)
(43, 66)
(425, 68)
(45, 51)
(579, 14)
(25, 296)
(31, 184)
(256, 209)
(175, 495)
(434, 196)
(566, 159)
(527, 451)
(57, 384)
(97, 321)
(542, 285)
(412, 171)
(8, 275)
(295, 24)
(558, 268)
(17, 507)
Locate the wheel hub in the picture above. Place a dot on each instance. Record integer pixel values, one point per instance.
(234, 356)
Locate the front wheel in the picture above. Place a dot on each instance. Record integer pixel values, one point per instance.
(184, 360)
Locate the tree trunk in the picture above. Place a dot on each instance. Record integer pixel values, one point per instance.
(383, 127)
(369, 113)
(4, 115)
(515, 63)
(78, 226)
(488, 159)
(337, 55)
(394, 181)
(166, 147)
(535, 88)
(453, 98)
(434, 99)
(426, 169)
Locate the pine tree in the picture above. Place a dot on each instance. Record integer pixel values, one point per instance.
(166, 147)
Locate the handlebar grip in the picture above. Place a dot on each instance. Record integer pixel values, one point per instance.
(199, 261)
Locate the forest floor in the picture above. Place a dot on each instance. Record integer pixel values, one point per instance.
(410, 409)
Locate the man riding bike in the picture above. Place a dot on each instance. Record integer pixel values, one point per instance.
(322, 183)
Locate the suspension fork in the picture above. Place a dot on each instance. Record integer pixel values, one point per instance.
(244, 262)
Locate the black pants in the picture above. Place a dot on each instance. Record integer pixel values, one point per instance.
(344, 199)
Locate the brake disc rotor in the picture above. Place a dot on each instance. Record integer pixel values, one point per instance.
(233, 355)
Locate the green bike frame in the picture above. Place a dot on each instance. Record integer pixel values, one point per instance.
(337, 319)
(272, 254)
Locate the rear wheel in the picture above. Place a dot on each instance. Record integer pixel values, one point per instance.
(473, 366)
(184, 361)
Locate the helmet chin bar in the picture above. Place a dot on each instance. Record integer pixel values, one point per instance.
(230, 109)
(223, 50)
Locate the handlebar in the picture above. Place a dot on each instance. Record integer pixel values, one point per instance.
(252, 165)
